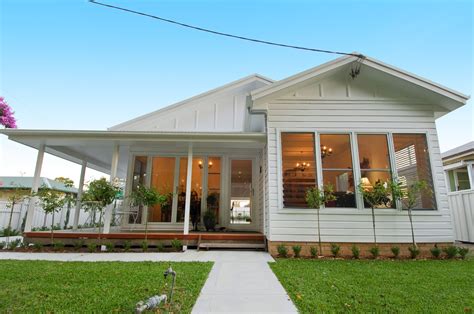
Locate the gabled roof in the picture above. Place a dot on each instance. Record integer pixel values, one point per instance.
(27, 183)
(221, 89)
(456, 98)
(465, 149)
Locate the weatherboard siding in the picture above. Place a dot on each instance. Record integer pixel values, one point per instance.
(353, 225)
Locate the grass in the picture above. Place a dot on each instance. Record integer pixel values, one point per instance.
(422, 286)
(85, 287)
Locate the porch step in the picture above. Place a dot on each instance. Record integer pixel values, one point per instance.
(231, 245)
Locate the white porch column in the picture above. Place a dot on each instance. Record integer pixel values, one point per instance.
(187, 206)
(77, 212)
(113, 175)
(34, 188)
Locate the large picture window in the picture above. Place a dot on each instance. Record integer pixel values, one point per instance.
(413, 164)
(298, 167)
(336, 160)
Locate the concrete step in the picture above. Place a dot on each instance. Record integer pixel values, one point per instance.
(231, 245)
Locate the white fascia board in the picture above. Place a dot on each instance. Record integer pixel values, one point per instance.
(221, 89)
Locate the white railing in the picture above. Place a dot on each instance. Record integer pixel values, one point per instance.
(462, 207)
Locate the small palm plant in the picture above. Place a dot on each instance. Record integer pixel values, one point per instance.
(146, 197)
(316, 198)
(51, 201)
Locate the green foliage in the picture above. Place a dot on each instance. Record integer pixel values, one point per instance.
(127, 245)
(38, 246)
(78, 244)
(177, 245)
(110, 247)
(160, 247)
(316, 197)
(146, 196)
(296, 250)
(314, 251)
(379, 194)
(51, 201)
(2, 245)
(103, 287)
(463, 252)
(92, 247)
(58, 246)
(435, 251)
(144, 246)
(13, 244)
(395, 251)
(451, 251)
(282, 250)
(100, 194)
(375, 251)
(8, 232)
(377, 286)
(210, 219)
(335, 249)
(66, 181)
(355, 251)
(414, 251)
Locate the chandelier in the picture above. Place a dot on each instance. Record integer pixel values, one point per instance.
(209, 164)
(325, 151)
(302, 165)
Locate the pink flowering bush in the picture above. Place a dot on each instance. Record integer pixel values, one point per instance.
(6, 115)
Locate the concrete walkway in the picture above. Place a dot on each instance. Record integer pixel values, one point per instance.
(239, 282)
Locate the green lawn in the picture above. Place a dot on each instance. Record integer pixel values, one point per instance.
(83, 287)
(422, 286)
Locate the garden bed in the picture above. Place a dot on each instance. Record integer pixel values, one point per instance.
(418, 286)
(81, 287)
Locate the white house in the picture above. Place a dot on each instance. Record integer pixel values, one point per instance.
(250, 149)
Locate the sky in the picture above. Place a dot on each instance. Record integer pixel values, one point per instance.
(75, 65)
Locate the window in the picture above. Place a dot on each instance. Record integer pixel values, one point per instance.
(374, 160)
(214, 184)
(298, 167)
(413, 164)
(336, 159)
(162, 179)
(459, 179)
(138, 178)
(196, 188)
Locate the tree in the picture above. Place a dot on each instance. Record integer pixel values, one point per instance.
(377, 195)
(51, 202)
(6, 115)
(409, 198)
(16, 197)
(100, 194)
(316, 198)
(69, 197)
(147, 197)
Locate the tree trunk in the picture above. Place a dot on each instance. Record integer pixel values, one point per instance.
(100, 219)
(52, 228)
(146, 224)
(10, 220)
(319, 235)
(373, 225)
(411, 225)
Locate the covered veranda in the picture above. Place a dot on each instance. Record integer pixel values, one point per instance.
(115, 152)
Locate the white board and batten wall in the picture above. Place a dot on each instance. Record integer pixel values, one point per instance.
(337, 103)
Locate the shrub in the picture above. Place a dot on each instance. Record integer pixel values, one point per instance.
(282, 251)
(296, 250)
(314, 251)
(355, 251)
(110, 247)
(395, 251)
(58, 246)
(2, 245)
(9, 232)
(451, 251)
(79, 244)
(127, 245)
(160, 247)
(463, 252)
(145, 246)
(335, 249)
(92, 247)
(177, 245)
(13, 244)
(375, 251)
(435, 251)
(414, 251)
(37, 246)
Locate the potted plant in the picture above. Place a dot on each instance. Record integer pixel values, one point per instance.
(316, 198)
(210, 220)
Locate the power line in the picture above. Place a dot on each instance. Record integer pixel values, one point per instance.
(225, 34)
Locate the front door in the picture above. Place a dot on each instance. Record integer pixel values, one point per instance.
(241, 216)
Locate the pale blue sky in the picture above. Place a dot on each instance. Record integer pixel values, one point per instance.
(75, 65)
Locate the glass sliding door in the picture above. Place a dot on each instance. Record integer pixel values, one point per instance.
(138, 178)
(196, 188)
(214, 185)
(241, 192)
(162, 179)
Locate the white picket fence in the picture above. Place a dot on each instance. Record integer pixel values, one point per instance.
(462, 207)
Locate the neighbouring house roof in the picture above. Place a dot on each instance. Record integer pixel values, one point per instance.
(27, 183)
(444, 96)
(465, 151)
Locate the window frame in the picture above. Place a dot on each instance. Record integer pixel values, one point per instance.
(356, 168)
